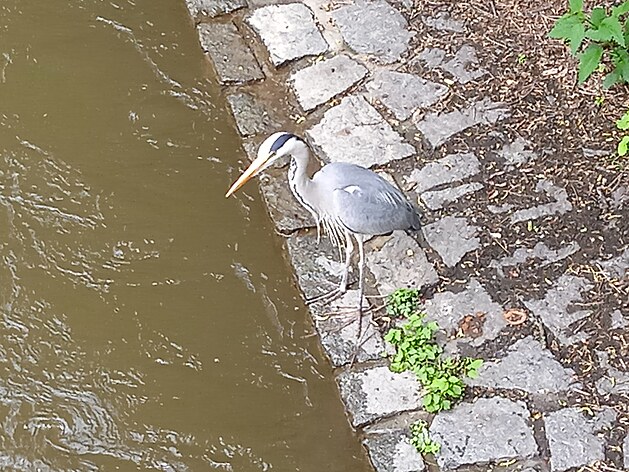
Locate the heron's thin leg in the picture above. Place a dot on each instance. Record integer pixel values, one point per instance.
(342, 288)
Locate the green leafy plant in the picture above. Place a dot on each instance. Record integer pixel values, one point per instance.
(420, 439)
(417, 351)
(592, 36)
(402, 302)
(623, 125)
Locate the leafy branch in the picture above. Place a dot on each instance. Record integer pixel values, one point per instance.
(591, 37)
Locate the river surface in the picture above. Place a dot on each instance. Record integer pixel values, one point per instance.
(146, 322)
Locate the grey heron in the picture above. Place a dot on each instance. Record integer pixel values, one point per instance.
(347, 200)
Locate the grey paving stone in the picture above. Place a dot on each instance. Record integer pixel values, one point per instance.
(317, 264)
(528, 366)
(437, 199)
(572, 437)
(625, 448)
(616, 267)
(288, 32)
(515, 154)
(213, 8)
(556, 309)
(560, 205)
(323, 80)
(432, 57)
(490, 429)
(393, 452)
(377, 392)
(337, 325)
(411, 267)
(614, 381)
(439, 127)
(452, 238)
(252, 117)
(404, 93)
(443, 21)
(542, 252)
(461, 65)
(285, 211)
(448, 309)
(354, 131)
(619, 320)
(374, 28)
(232, 59)
(499, 209)
(450, 169)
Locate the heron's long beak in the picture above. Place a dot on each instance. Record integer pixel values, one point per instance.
(257, 166)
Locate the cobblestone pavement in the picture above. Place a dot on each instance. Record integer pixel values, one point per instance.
(333, 72)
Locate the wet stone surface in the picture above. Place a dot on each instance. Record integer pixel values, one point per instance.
(232, 59)
(487, 430)
(367, 139)
(288, 31)
(573, 438)
(403, 94)
(412, 269)
(213, 8)
(318, 83)
(557, 311)
(449, 169)
(440, 198)
(452, 238)
(377, 392)
(252, 117)
(437, 128)
(527, 366)
(393, 452)
(285, 210)
(448, 309)
(374, 28)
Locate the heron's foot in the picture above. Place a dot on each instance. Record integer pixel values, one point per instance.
(326, 297)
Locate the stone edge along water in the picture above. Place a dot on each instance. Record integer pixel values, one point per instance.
(333, 66)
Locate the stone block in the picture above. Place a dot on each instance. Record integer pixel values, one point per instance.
(530, 367)
(447, 170)
(400, 263)
(560, 205)
(232, 59)
(392, 451)
(540, 251)
(355, 132)
(288, 31)
(285, 211)
(437, 128)
(438, 199)
(460, 66)
(213, 8)
(403, 94)
(556, 308)
(572, 438)
(442, 21)
(449, 309)
(487, 430)
(377, 393)
(374, 28)
(252, 117)
(324, 80)
(452, 238)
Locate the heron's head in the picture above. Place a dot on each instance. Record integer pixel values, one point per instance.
(273, 148)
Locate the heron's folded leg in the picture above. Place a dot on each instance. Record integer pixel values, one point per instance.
(342, 288)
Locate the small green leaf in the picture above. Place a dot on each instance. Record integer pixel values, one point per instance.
(623, 146)
(576, 6)
(620, 9)
(611, 79)
(588, 61)
(598, 15)
(569, 28)
(609, 30)
(623, 123)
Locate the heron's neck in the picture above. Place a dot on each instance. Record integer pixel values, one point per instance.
(299, 181)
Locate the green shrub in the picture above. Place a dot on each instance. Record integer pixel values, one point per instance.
(591, 37)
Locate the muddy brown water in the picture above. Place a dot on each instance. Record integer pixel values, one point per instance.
(146, 323)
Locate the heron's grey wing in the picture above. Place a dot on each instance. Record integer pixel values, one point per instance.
(366, 203)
